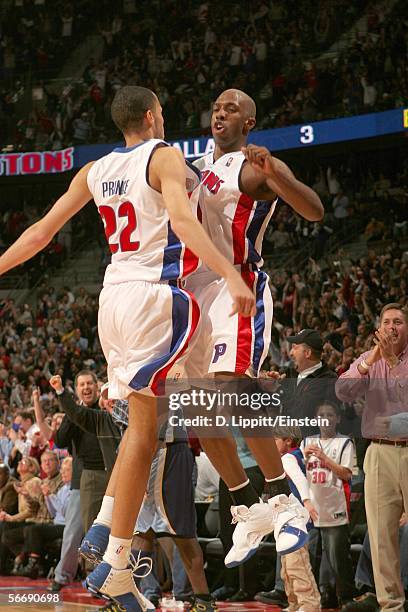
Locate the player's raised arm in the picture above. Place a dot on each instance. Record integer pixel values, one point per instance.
(37, 236)
(280, 180)
(168, 174)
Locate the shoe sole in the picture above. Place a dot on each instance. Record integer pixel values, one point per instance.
(303, 539)
(92, 557)
(249, 554)
(95, 591)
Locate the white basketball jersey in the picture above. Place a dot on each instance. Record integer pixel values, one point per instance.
(330, 494)
(136, 221)
(235, 222)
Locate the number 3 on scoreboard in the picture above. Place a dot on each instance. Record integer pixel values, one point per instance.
(109, 216)
(307, 134)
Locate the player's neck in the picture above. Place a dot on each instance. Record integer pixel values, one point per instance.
(134, 138)
(133, 141)
(219, 152)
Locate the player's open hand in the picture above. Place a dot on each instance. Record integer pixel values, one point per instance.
(260, 159)
(243, 299)
(56, 383)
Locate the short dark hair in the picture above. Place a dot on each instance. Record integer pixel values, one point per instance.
(329, 402)
(394, 306)
(130, 105)
(85, 373)
(27, 415)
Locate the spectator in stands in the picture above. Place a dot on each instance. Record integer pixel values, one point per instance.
(294, 581)
(8, 493)
(36, 537)
(380, 377)
(13, 539)
(330, 459)
(94, 477)
(66, 569)
(279, 238)
(5, 444)
(29, 485)
(340, 205)
(314, 382)
(374, 230)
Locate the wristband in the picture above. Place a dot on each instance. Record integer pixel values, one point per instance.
(363, 364)
(60, 392)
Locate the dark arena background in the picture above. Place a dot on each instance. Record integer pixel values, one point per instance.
(329, 79)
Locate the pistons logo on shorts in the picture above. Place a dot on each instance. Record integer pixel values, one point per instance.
(219, 351)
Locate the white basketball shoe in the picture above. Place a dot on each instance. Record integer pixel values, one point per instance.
(283, 515)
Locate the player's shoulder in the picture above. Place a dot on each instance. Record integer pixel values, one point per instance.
(164, 150)
(82, 176)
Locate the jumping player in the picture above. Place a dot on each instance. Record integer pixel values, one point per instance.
(240, 187)
(145, 321)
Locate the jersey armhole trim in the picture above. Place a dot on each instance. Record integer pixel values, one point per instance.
(157, 146)
(194, 169)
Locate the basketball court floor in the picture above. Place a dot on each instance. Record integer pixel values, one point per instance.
(23, 594)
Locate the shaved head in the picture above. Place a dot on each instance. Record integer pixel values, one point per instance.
(245, 102)
(233, 117)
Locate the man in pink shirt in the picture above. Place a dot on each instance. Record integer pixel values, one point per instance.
(381, 377)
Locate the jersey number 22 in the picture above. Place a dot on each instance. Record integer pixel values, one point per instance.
(108, 214)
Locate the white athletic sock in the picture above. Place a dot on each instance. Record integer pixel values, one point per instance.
(117, 553)
(241, 486)
(281, 477)
(105, 513)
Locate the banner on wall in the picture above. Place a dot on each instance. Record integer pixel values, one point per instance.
(280, 139)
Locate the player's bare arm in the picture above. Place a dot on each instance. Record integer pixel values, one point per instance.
(265, 177)
(168, 175)
(37, 236)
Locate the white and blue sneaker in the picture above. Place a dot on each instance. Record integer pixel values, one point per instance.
(253, 524)
(118, 586)
(290, 519)
(95, 543)
(283, 515)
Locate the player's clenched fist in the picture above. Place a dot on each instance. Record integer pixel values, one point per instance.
(56, 383)
(260, 159)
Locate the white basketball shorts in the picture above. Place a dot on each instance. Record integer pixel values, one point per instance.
(229, 344)
(145, 330)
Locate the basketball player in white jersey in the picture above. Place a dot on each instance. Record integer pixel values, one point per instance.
(145, 321)
(240, 188)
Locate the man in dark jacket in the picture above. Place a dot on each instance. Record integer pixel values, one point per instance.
(92, 420)
(94, 477)
(315, 381)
